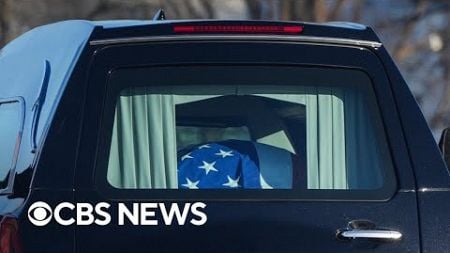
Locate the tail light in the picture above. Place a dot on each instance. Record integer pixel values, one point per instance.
(9, 237)
(269, 29)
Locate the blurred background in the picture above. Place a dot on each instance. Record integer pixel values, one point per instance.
(415, 32)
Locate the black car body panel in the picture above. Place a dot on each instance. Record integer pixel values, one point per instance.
(67, 163)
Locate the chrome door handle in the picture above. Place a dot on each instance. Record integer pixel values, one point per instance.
(364, 229)
(370, 234)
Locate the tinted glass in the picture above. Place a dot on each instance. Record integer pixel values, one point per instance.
(9, 133)
(248, 137)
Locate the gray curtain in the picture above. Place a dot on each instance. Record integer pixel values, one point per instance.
(342, 148)
(143, 148)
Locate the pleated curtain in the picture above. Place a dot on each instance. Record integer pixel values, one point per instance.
(143, 148)
(342, 150)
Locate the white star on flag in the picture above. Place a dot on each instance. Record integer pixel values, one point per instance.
(186, 156)
(232, 183)
(224, 154)
(204, 146)
(208, 167)
(190, 184)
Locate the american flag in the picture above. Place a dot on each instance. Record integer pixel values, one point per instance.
(229, 164)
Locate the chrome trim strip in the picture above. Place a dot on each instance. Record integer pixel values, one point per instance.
(434, 189)
(314, 39)
(406, 190)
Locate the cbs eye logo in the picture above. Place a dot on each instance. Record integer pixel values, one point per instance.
(39, 213)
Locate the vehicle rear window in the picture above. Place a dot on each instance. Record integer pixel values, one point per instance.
(248, 136)
(10, 122)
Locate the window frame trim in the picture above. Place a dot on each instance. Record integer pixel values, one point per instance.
(12, 170)
(100, 169)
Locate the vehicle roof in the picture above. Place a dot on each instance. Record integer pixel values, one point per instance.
(23, 61)
(23, 64)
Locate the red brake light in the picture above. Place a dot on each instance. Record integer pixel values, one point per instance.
(9, 237)
(284, 29)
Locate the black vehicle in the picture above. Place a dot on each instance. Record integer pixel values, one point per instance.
(214, 136)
